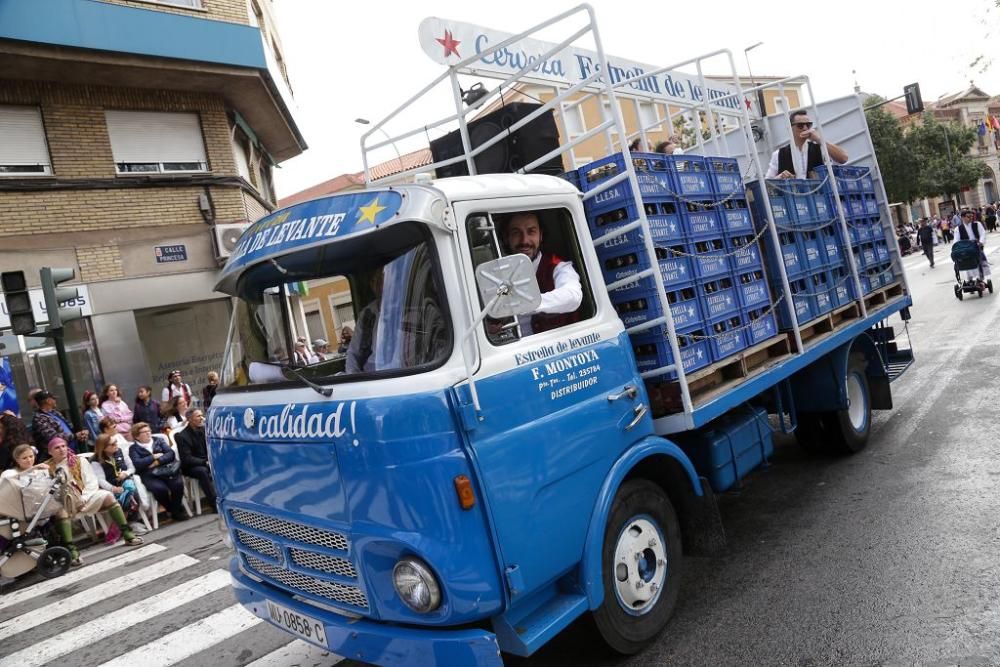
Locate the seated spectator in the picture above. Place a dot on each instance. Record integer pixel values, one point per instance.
(208, 392)
(92, 414)
(114, 407)
(175, 412)
(321, 350)
(83, 495)
(154, 461)
(115, 475)
(48, 424)
(24, 460)
(12, 433)
(147, 409)
(194, 454)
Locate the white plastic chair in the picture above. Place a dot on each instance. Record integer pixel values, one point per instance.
(177, 453)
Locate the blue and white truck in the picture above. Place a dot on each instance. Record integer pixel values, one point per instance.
(454, 487)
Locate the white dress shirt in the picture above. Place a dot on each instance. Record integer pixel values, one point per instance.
(565, 298)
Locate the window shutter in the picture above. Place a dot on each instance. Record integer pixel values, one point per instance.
(22, 137)
(154, 136)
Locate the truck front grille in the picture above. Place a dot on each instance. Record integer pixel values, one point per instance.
(328, 576)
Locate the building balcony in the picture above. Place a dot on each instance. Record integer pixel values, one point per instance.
(86, 42)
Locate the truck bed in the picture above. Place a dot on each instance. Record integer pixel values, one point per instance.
(727, 384)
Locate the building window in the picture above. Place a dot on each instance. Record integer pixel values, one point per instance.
(190, 4)
(256, 16)
(241, 152)
(145, 142)
(23, 151)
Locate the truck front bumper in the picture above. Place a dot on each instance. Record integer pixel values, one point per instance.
(373, 642)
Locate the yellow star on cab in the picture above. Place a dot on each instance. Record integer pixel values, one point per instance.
(369, 212)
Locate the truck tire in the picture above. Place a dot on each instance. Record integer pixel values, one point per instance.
(641, 567)
(847, 430)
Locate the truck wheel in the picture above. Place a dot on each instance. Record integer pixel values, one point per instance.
(847, 430)
(641, 567)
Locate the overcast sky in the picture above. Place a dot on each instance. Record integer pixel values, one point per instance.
(362, 59)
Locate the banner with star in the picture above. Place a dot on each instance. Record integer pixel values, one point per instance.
(313, 223)
(457, 44)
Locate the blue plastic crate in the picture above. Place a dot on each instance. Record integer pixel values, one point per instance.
(700, 219)
(861, 230)
(718, 297)
(727, 336)
(636, 306)
(708, 257)
(573, 177)
(651, 182)
(626, 256)
(726, 177)
(664, 219)
(823, 206)
(726, 450)
(842, 286)
(887, 275)
(881, 251)
(779, 204)
(854, 206)
(735, 215)
(800, 195)
(652, 351)
(602, 222)
(752, 289)
(879, 232)
(813, 252)
(819, 285)
(790, 253)
(868, 256)
(763, 326)
(801, 301)
(689, 175)
(832, 241)
(744, 253)
(870, 203)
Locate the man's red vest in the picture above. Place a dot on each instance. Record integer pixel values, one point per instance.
(546, 283)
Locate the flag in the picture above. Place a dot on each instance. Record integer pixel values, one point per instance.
(995, 122)
(981, 129)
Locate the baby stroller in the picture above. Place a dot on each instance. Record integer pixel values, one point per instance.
(972, 271)
(26, 503)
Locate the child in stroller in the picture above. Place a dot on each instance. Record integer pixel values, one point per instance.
(29, 497)
(972, 271)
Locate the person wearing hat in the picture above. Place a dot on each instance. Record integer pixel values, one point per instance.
(175, 387)
(48, 424)
(971, 229)
(321, 349)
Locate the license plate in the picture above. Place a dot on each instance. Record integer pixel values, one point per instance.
(298, 624)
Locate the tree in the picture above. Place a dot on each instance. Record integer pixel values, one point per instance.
(891, 148)
(942, 152)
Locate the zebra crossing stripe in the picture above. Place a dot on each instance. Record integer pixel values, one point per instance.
(190, 640)
(74, 576)
(93, 632)
(300, 653)
(84, 599)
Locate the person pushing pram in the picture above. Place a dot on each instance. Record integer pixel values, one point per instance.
(972, 270)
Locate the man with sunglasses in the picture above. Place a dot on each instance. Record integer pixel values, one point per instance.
(804, 154)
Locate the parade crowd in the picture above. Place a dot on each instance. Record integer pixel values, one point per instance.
(127, 460)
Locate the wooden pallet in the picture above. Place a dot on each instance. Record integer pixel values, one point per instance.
(883, 295)
(708, 383)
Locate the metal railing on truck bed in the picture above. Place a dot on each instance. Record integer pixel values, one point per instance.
(818, 307)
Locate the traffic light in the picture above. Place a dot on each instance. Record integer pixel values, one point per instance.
(54, 296)
(914, 103)
(15, 294)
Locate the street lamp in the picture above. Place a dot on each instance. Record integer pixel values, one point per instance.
(753, 82)
(399, 158)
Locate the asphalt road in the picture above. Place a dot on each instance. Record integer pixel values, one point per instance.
(888, 557)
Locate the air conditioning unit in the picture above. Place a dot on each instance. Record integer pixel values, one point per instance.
(226, 236)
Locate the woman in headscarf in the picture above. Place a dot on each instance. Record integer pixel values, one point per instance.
(84, 495)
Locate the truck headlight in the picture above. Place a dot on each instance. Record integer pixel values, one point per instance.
(416, 586)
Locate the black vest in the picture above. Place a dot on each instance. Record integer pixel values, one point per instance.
(815, 159)
(964, 235)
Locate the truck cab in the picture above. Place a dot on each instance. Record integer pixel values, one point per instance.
(374, 489)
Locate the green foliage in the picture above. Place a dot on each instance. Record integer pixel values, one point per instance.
(929, 159)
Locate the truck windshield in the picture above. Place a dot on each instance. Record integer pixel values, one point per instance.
(332, 314)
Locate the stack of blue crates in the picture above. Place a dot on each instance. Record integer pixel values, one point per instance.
(711, 266)
(868, 241)
(810, 245)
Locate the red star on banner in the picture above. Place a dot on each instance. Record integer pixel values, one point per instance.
(749, 104)
(449, 43)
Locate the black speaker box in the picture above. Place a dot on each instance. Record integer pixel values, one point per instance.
(520, 148)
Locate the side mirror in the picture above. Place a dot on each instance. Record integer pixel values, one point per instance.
(508, 287)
